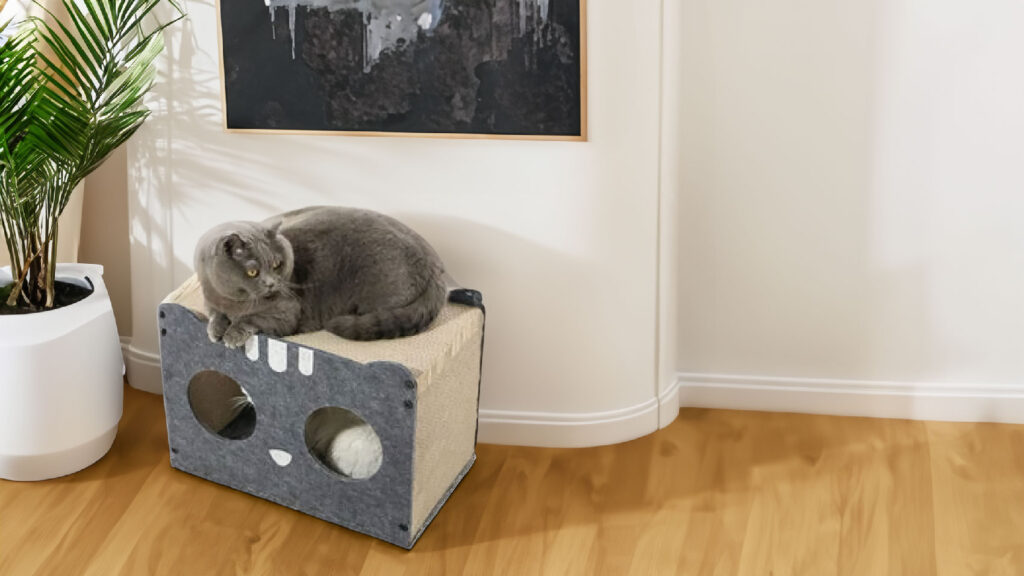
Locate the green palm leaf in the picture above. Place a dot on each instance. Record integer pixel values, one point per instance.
(17, 92)
(70, 93)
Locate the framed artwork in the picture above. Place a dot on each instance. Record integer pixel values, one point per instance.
(455, 68)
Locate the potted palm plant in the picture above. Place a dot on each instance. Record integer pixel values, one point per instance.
(70, 93)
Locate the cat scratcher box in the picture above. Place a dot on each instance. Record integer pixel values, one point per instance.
(419, 394)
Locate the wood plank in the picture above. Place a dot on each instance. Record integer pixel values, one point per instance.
(717, 493)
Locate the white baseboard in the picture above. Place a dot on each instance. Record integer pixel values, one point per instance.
(668, 405)
(577, 430)
(549, 429)
(143, 368)
(876, 399)
(126, 341)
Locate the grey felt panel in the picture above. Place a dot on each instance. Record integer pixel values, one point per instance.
(384, 394)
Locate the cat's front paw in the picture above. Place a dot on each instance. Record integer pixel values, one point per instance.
(216, 327)
(236, 336)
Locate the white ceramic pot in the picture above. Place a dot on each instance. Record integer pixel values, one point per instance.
(60, 383)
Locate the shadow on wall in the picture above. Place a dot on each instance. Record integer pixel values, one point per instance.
(491, 260)
(166, 194)
(105, 234)
(181, 167)
(163, 170)
(198, 101)
(571, 340)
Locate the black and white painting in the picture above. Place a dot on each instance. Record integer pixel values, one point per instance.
(470, 67)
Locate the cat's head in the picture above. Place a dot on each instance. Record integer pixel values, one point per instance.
(244, 260)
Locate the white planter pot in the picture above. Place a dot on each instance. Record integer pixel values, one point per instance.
(60, 383)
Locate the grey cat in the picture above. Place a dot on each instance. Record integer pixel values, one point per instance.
(357, 273)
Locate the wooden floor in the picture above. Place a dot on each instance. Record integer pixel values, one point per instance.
(718, 492)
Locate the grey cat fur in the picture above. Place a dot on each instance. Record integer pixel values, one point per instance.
(357, 273)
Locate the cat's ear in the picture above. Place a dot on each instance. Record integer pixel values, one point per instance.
(273, 228)
(229, 243)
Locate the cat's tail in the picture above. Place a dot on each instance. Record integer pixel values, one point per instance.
(407, 320)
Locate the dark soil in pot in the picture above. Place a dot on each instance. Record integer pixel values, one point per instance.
(64, 294)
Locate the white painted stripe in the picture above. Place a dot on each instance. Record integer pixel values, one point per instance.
(277, 355)
(306, 361)
(252, 348)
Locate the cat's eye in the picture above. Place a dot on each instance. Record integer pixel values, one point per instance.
(253, 272)
(277, 264)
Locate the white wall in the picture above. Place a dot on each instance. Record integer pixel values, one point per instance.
(562, 238)
(852, 202)
(670, 186)
(105, 234)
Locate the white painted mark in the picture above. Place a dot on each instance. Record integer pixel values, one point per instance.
(277, 355)
(252, 348)
(306, 361)
(281, 458)
(425, 20)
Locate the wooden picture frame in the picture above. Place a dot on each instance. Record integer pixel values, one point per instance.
(230, 70)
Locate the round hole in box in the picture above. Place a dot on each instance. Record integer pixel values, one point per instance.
(221, 405)
(343, 442)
